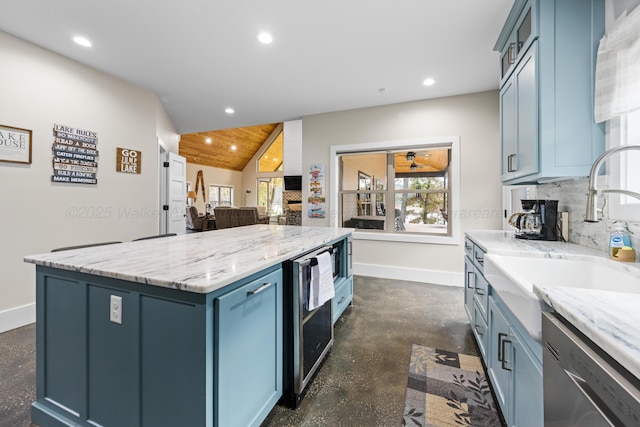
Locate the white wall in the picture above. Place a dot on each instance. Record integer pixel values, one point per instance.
(473, 117)
(215, 176)
(40, 88)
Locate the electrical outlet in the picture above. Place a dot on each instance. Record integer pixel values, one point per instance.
(115, 309)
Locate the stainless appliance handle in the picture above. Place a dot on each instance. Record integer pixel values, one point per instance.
(306, 260)
(262, 288)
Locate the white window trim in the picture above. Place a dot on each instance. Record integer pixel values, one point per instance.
(454, 186)
(233, 191)
(629, 210)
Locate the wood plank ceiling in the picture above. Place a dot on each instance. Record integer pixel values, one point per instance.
(219, 152)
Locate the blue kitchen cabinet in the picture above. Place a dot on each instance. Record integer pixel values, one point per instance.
(249, 345)
(475, 293)
(514, 371)
(512, 357)
(548, 51)
(177, 358)
(343, 297)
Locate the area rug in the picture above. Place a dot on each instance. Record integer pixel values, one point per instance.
(447, 389)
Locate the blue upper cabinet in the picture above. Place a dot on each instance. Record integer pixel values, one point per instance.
(547, 62)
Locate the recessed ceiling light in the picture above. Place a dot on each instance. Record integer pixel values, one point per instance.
(233, 148)
(265, 38)
(428, 82)
(229, 110)
(208, 140)
(82, 41)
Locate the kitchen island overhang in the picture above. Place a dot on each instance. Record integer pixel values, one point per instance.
(187, 304)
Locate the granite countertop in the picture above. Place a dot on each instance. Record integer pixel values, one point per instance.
(610, 319)
(197, 262)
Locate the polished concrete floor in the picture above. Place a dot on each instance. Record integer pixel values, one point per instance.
(362, 382)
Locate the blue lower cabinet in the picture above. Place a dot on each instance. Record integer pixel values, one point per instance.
(514, 371)
(342, 298)
(176, 359)
(249, 348)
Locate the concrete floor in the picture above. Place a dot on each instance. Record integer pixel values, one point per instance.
(362, 382)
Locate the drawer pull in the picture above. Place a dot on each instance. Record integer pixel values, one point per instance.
(500, 346)
(478, 330)
(260, 289)
(471, 280)
(341, 299)
(479, 291)
(504, 359)
(480, 260)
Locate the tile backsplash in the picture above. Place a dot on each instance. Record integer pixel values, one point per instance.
(572, 197)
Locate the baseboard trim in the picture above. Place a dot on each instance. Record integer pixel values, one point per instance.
(17, 317)
(435, 277)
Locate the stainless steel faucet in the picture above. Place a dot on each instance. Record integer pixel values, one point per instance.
(592, 197)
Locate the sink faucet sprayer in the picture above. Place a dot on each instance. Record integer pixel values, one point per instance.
(592, 197)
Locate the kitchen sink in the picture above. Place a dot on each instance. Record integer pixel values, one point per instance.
(513, 278)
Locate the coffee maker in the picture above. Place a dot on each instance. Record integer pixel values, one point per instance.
(537, 221)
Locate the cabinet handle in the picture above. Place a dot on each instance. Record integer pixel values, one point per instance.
(260, 289)
(479, 291)
(510, 161)
(341, 299)
(504, 359)
(471, 277)
(512, 58)
(500, 346)
(478, 329)
(480, 260)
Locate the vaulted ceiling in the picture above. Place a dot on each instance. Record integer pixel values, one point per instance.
(230, 148)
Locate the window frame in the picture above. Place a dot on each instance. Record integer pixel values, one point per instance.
(219, 186)
(620, 206)
(417, 143)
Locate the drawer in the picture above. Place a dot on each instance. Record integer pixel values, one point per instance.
(480, 330)
(343, 297)
(478, 257)
(481, 293)
(468, 247)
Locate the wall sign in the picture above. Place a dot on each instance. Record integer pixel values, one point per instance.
(129, 161)
(15, 145)
(316, 191)
(75, 155)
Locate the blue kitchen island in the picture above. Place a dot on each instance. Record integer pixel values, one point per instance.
(179, 331)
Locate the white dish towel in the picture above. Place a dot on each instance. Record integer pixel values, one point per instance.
(321, 289)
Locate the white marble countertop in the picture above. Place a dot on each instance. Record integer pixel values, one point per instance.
(197, 262)
(610, 319)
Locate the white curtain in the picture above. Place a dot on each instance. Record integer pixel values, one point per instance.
(618, 69)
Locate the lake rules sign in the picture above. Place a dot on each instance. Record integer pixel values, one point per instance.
(75, 155)
(129, 161)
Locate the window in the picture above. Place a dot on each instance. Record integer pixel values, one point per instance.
(624, 171)
(270, 195)
(271, 159)
(403, 191)
(220, 195)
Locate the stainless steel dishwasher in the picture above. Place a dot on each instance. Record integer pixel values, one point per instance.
(583, 386)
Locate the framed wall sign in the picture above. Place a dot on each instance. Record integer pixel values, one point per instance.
(15, 145)
(129, 161)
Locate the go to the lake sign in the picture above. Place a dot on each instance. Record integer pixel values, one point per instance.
(129, 161)
(75, 155)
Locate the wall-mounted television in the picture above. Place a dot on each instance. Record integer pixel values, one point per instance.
(293, 183)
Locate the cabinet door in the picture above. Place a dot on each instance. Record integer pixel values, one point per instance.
(497, 365)
(527, 114)
(527, 407)
(508, 128)
(469, 287)
(249, 347)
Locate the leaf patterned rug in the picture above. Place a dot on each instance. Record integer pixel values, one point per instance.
(447, 389)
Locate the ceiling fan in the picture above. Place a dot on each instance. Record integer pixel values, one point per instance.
(411, 157)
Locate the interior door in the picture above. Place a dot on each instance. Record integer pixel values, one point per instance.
(177, 188)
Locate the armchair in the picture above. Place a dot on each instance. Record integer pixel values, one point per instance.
(195, 221)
